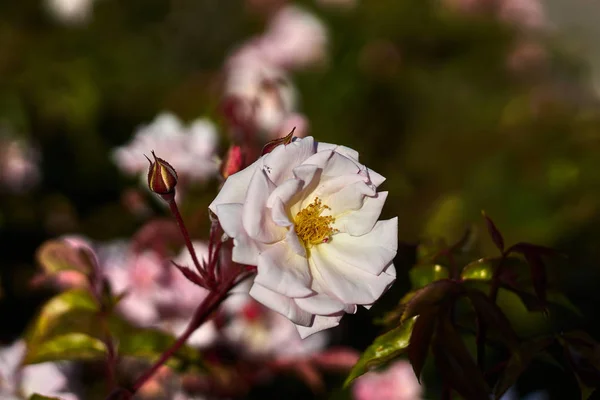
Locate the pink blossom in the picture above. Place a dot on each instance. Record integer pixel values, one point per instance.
(189, 149)
(258, 331)
(71, 11)
(47, 378)
(398, 382)
(19, 169)
(262, 94)
(156, 293)
(295, 39)
(528, 14)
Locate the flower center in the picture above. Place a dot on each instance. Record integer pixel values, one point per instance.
(312, 227)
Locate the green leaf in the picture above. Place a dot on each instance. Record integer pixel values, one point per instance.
(385, 348)
(423, 275)
(455, 363)
(64, 313)
(72, 346)
(518, 362)
(57, 255)
(36, 396)
(432, 296)
(480, 270)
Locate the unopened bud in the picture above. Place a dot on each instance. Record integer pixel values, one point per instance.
(234, 162)
(162, 177)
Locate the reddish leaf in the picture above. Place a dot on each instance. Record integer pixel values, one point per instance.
(431, 296)
(456, 365)
(523, 248)
(191, 275)
(538, 275)
(492, 316)
(494, 232)
(420, 339)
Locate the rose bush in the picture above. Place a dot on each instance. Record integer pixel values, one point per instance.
(306, 215)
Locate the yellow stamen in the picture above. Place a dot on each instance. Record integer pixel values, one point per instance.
(312, 227)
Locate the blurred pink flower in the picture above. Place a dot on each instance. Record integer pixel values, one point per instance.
(19, 165)
(257, 88)
(189, 149)
(157, 294)
(398, 382)
(262, 94)
(527, 14)
(71, 11)
(295, 39)
(260, 332)
(48, 378)
(523, 14)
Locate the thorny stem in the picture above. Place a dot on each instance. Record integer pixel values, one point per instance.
(186, 236)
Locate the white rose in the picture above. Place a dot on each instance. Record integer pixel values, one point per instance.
(306, 215)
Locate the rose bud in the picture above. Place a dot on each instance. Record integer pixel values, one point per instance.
(162, 177)
(234, 162)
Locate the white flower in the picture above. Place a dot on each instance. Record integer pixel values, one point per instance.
(45, 378)
(190, 150)
(306, 215)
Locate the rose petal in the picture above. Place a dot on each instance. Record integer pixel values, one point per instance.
(280, 162)
(343, 280)
(320, 323)
(376, 178)
(281, 304)
(285, 192)
(235, 187)
(371, 252)
(292, 240)
(346, 151)
(280, 214)
(349, 198)
(320, 304)
(257, 222)
(245, 250)
(283, 271)
(359, 222)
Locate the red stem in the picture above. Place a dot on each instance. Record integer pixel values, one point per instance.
(204, 310)
(186, 236)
